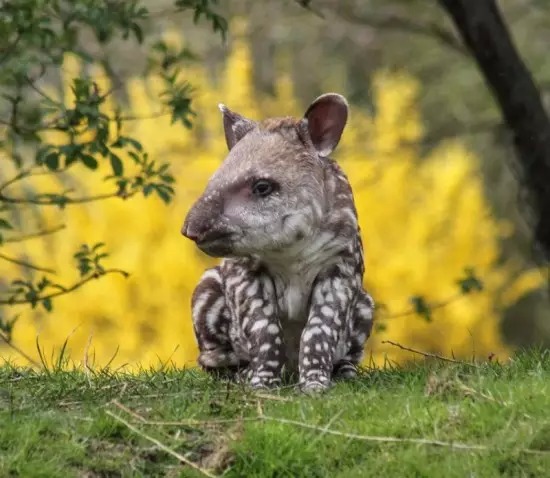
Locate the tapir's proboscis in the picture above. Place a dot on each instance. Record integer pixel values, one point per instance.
(288, 294)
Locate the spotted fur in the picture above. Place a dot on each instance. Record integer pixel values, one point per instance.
(288, 293)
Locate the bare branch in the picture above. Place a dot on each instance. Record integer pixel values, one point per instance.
(26, 264)
(306, 4)
(11, 345)
(44, 200)
(401, 24)
(25, 173)
(32, 235)
(10, 48)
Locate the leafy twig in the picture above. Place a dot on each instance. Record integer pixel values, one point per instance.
(185, 423)
(467, 284)
(415, 310)
(64, 291)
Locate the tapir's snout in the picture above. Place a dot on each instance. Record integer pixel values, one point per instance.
(204, 225)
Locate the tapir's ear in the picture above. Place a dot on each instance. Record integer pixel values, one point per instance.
(326, 118)
(234, 125)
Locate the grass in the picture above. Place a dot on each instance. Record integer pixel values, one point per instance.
(428, 419)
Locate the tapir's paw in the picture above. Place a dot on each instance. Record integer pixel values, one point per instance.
(315, 384)
(345, 371)
(261, 380)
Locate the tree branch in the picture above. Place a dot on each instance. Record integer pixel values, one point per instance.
(28, 265)
(11, 345)
(32, 235)
(488, 40)
(398, 23)
(434, 306)
(48, 201)
(68, 290)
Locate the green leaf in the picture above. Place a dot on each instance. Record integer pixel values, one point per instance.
(137, 32)
(98, 246)
(470, 283)
(148, 189)
(5, 224)
(116, 164)
(167, 178)
(89, 161)
(421, 307)
(52, 161)
(47, 304)
(164, 195)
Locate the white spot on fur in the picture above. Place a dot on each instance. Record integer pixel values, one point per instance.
(309, 333)
(259, 325)
(326, 329)
(265, 347)
(255, 304)
(315, 321)
(253, 289)
(327, 311)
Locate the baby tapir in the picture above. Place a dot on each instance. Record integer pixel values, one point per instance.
(288, 293)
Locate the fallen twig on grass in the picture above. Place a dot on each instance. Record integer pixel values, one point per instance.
(161, 445)
(323, 430)
(191, 422)
(429, 354)
(389, 439)
(267, 396)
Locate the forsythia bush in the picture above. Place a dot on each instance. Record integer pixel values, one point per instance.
(423, 221)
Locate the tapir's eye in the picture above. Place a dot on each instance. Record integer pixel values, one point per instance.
(263, 187)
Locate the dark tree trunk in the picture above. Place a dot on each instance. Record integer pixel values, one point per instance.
(484, 32)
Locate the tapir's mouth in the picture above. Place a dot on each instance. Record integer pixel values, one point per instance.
(218, 245)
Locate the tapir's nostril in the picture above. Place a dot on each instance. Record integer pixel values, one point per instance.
(189, 233)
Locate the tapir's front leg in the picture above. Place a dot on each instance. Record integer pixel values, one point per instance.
(331, 299)
(253, 301)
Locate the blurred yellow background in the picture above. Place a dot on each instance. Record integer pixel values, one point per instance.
(423, 221)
